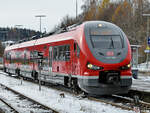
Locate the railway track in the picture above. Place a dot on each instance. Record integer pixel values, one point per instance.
(122, 102)
(20, 103)
(7, 107)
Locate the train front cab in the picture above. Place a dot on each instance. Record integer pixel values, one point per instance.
(109, 71)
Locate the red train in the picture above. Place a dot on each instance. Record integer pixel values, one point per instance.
(94, 56)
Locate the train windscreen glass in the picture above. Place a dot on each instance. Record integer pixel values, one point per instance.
(106, 39)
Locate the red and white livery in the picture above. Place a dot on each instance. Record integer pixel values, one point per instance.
(94, 56)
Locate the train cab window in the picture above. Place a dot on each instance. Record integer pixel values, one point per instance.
(107, 42)
(106, 38)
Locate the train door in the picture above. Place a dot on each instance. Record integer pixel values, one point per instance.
(75, 61)
(50, 60)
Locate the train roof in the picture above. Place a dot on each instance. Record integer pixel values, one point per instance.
(69, 35)
(44, 40)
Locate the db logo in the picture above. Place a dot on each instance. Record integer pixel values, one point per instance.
(110, 53)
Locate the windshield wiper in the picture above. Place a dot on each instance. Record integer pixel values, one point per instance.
(111, 44)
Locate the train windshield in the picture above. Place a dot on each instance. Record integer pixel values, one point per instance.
(106, 39)
(106, 42)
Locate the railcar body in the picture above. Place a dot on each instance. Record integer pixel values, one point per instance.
(94, 56)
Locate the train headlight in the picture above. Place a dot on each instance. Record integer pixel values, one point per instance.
(126, 67)
(90, 66)
(93, 67)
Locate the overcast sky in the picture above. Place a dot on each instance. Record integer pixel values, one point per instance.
(22, 12)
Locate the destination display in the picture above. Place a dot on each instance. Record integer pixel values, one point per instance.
(103, 31)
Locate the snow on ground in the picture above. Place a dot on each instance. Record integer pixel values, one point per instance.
(1, 66)
(5, 108)
(23, 106)
(51, 98)
(144, 67)
(142, 83)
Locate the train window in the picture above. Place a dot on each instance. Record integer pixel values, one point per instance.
(78, 51)
(61, 53)
(67, 52)
(31, 55)
(75, 47)
(50, 56)
(54, 53)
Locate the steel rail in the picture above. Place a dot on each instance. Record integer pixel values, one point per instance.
(9, 105)
(30, 99)
(111, 103)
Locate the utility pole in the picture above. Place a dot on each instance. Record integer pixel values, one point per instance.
(76, 8)
(40, 16)
(147, 34)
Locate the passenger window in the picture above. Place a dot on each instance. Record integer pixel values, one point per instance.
(74, 47)
(55, 53)
(61, 53)
(67, 52)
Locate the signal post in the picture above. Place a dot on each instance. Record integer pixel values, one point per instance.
(40, 60)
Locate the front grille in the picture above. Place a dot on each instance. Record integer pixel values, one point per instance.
(109, 77)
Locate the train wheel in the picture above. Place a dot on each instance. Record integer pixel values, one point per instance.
(4, 69)
(42, 83)
(24, 78)
(9, 74)
(72, 83)
(18, 72)
(66, 80)
(75, 86)
(34, 75)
